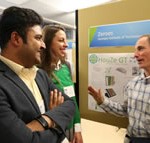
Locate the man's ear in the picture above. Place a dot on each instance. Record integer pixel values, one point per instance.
(16, 39)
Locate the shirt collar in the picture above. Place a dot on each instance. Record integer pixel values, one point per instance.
(19, 69)
(146, 80)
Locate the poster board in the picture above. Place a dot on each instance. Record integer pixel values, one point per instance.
(111, 13)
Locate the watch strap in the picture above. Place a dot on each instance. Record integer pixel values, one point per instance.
(43, 122)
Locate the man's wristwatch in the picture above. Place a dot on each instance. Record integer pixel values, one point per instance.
(43, 122)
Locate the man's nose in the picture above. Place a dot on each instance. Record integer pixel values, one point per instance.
(43, 45)
(136, 53)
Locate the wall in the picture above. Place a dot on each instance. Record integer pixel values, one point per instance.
(112, 13)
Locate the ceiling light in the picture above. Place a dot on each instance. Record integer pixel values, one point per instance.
(80, 4)
(72, 5)
(18, 2)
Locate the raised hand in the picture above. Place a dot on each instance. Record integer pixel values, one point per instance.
(96, 94)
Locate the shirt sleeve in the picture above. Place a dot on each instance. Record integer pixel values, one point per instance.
(115, 108)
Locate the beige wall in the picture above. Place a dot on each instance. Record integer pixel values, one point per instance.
(118, 12)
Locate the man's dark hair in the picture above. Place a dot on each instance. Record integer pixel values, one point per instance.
(18, 20)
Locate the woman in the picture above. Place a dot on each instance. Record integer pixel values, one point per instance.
(54, 63)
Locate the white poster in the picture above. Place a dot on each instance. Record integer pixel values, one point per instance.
(110, 73)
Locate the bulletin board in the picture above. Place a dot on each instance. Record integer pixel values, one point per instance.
(110, 13)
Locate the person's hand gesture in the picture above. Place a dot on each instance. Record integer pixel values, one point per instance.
(97, 95)
(56, 98)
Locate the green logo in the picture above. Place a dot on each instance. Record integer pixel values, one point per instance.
(93, 59)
